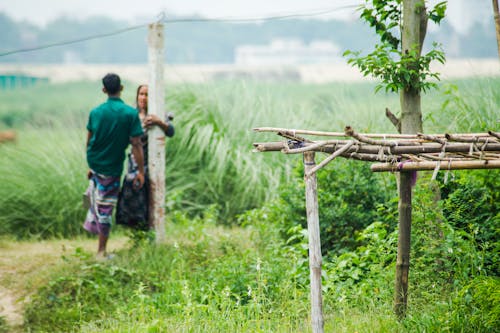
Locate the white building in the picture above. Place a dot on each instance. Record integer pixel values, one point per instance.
(288, 52)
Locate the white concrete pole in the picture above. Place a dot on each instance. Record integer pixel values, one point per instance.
(156, 143)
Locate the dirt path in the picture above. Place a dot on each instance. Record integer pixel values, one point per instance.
(25, 266)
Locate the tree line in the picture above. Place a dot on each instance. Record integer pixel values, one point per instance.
(208, 42)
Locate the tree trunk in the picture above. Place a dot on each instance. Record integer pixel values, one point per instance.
(496, 15)
(404, 237)
(414, 15)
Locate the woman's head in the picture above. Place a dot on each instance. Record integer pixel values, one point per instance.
(141, 98)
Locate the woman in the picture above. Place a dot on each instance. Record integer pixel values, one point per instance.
(133, 203)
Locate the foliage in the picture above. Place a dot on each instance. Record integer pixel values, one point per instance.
(364, 274)
(41, 196)
(350, 198)
(396, 69)
(208, 163)
(466, 113)
(471, 206)
(4, 328)
(476, 307)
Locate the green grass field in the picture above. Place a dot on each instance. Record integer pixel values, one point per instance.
(225, 266)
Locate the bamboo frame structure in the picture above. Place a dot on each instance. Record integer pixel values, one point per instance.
(394, 152)
(402, 153)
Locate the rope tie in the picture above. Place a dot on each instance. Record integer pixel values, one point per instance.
(380, 154)
(447, 172)
(482, 148)
(442, 154)
(436, 170)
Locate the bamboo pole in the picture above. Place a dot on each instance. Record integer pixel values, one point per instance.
(422, 148)
(342, 134)
(443, 165)
(461, 138)
(329, 159)
(315, 258)
(495, 134)
(156, 138)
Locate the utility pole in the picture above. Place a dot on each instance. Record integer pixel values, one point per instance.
(156, 138)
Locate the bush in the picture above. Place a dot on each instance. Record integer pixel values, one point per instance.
(350, 198)
(476, 307)
(470, 204)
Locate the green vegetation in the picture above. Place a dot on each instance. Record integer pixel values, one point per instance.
(236, 253)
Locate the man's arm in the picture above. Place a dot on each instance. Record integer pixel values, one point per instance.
(139, 159)
(89, 135)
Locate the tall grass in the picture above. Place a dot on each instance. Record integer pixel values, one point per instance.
(463, 106)
(209, 161)
(43, 181)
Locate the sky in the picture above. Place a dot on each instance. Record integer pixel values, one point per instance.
(461, 13)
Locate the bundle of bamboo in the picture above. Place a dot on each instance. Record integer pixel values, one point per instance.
(396, 152)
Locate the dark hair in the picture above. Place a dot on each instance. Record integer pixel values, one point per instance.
(137, 92)
(111, 83)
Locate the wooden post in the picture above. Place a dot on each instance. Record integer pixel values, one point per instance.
(404, 238)
(315, 258)
(156, 138)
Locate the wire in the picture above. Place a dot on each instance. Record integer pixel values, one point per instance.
(73, 41)
(172, 21)
(318, 12)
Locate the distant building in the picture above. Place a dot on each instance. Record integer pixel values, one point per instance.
(14, 80)
(288, 52)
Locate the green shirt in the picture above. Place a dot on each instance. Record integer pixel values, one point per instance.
(112, 124)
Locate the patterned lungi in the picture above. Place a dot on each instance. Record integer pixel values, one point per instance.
(103, 193)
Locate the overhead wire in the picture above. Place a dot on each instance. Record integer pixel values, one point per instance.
(163, 19)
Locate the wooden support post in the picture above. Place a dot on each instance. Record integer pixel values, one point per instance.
(315, 258)
(156, 138)
(404, 238)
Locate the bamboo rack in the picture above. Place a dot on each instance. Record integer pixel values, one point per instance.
(392, 152)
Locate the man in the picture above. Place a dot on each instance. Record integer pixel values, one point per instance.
(111, 127)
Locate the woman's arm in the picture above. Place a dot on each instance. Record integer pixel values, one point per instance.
(166, 127)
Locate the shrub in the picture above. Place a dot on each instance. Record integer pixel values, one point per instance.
(471, 205)
(350, 198)
(476, 307)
